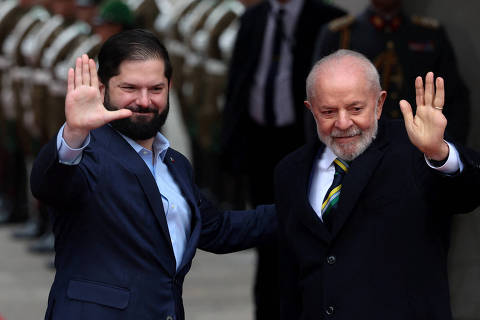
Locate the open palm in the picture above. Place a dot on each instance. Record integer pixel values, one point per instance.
(84, 110)
(426, 128)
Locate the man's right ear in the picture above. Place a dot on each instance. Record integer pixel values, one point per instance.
(308, 105)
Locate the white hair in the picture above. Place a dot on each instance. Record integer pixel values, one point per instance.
(371, 73)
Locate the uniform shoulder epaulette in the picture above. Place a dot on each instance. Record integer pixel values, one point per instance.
(426, 22)
(341, 23)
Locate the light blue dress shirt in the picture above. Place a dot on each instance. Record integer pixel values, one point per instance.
(177, 210)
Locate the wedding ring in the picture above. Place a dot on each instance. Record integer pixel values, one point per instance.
(438, 108)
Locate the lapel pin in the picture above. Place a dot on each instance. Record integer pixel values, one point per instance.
(171, 159)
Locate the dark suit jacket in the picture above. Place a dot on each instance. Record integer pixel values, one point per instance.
(114, 257)
(386, 255)
(244, 63)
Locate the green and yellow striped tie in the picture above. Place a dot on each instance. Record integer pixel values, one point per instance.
(333, 194)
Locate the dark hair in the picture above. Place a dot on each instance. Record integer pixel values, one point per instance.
(133, 45)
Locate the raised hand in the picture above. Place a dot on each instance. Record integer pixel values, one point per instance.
(427, 127)
(84, 108)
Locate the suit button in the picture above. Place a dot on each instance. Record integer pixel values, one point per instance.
(330, 310)
(169, 318)
(331, 260)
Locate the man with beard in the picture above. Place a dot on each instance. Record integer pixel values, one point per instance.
(127, 214)
(364, 211)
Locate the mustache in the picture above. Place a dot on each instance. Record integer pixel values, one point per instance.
(350, 132)
(139, 109)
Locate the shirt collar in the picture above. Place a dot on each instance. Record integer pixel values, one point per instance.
(160, 145)
(327, 158)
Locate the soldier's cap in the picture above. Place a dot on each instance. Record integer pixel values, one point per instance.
(87, 3)
(115, 11)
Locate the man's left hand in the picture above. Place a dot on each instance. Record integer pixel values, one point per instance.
(427, 127)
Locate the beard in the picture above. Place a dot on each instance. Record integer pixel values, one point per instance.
(141, 128)
(351, 150)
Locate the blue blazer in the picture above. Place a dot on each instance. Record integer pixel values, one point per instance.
(114, 257)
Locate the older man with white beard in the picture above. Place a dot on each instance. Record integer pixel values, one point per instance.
(364, 212)
(338, 128)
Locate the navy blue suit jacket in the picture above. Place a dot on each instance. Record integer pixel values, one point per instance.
(114, 257)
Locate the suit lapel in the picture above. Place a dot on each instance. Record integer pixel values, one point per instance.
(357, 178)
(135, 164)
(302, 182)
(184, 182)
(154, 197)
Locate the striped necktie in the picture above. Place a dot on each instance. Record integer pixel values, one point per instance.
(333, 194)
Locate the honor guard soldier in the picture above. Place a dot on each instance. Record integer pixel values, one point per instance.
(15, 79)
(35, 78)
(168, 27)
(41, 49)
(206, 74)
(192, 89)
(10, 12)
(14, 18)
(402, 47)
(166, 22)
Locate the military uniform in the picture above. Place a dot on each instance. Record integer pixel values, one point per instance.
(206, 80)
(193, 84)
(19, 70)
(10, 12)
(168, 28)
(211, 84)
(30, 84)
(195, 28)
(403, 48)
(42, 48)
(14, 20)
